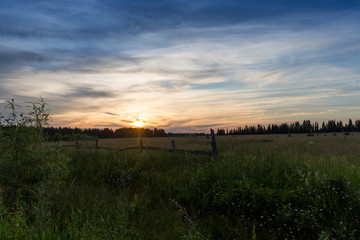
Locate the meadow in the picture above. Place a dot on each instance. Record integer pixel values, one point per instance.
(259, 187)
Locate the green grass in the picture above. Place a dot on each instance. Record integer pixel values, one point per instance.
(260, 187)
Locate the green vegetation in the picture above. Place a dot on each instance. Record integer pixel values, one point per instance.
(296, 127)
(67, 133)
(260, 187)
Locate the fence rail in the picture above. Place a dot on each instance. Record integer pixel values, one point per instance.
(141, 147)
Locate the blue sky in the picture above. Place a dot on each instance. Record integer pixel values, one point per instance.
(182, 65)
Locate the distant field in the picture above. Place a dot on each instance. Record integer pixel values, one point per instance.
(292, 145)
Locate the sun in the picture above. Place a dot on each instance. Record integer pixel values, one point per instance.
(138, 123)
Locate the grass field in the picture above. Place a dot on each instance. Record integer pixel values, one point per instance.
(260, 187)
(298, 144)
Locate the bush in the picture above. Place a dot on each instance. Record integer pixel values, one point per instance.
(29, 171)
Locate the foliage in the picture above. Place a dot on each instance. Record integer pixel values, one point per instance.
(29, 172)
(174, 196)
(296, 127)
(67, 133)
(72, 137)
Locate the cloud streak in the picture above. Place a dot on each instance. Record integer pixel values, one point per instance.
(184, 66)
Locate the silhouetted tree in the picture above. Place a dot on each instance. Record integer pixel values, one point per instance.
(296, 127)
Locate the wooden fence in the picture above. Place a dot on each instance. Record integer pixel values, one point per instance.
(141, 147)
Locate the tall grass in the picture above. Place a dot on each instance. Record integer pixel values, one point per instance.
(173, 196)
(156, 195)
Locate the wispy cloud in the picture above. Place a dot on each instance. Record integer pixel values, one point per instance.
(112, 114)
(185, 65)
(88, 92)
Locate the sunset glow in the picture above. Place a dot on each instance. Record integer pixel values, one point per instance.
(138, 123)
(189, 65)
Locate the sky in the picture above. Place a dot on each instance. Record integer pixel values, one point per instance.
(184, 66)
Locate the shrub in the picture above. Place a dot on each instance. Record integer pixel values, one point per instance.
(29, 171)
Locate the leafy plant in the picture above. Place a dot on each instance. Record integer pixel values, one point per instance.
(25, 166)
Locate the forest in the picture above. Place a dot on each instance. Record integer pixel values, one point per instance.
(67, 133)
(307, 126)
(331, 126)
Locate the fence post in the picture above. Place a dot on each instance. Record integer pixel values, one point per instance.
(141, 145)
(97, 144)
(173, 144)
(213, 144)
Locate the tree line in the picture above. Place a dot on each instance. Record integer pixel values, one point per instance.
(305, 127)
(68, 133)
